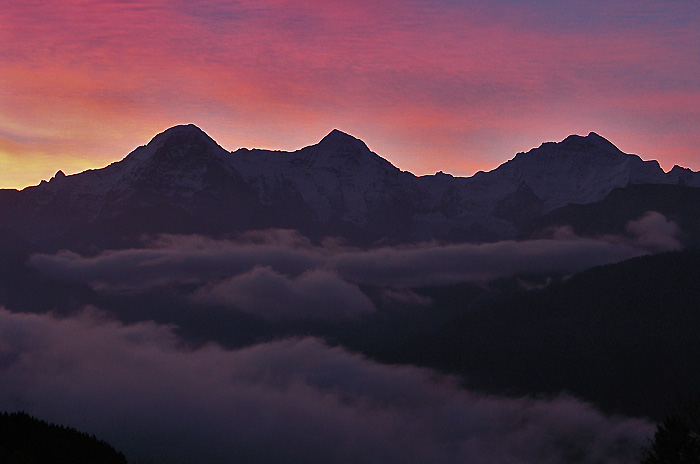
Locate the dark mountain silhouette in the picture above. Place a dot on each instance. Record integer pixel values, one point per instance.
(180, 182)
(183, 182)
(600, 334)
(26, 440)
(593, 335)
(611, 215)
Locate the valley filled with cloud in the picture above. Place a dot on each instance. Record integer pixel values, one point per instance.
(294, 400)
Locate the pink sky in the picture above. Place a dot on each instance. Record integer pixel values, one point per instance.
(430, 85)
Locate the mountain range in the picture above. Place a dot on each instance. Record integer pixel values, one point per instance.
(182, 181)
(214, 298)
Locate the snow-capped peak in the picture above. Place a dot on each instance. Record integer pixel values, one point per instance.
(601, 142)
(576, 170)
(591, 142)
(340, 142)
(340, 181)
(181, 129)
(180, 161)
(186, 139)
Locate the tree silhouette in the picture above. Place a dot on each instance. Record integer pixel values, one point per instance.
(677, 439)
(26, 440)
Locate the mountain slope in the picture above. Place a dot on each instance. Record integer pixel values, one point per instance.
(623, 335)
(339, 180)
(612, 214)
(180, 182)
(184, 182)
(575, 170)
(24, 439)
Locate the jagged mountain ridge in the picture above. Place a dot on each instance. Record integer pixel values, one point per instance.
(339, 176)
(182, 181)
(575, 170)
(179, 172)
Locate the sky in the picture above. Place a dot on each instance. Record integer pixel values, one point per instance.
(430, 85)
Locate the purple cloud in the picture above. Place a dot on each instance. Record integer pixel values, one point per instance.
(280, 275)
(655, 233)
(196, 259)
(294, 400)
(274, 296)
(446, 264)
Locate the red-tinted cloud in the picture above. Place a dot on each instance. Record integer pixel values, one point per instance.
(431, 85)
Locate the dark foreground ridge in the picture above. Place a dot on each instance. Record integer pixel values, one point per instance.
(26, 440)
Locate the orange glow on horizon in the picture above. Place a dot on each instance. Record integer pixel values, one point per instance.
(429, 85)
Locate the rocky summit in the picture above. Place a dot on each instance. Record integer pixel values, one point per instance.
(182, 181)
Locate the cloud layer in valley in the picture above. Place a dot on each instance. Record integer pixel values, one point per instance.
(280, 275)
(271, 295)
(294, 400)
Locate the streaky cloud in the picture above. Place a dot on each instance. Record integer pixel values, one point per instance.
(279, 275)
(197, 259)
